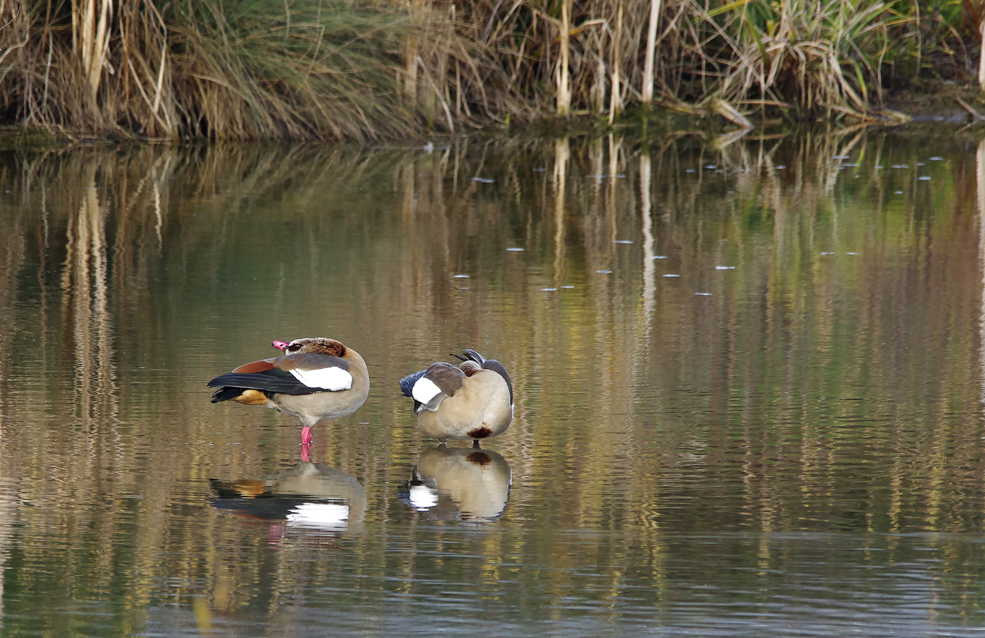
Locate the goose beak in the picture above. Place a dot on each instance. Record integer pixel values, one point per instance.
(280, 345)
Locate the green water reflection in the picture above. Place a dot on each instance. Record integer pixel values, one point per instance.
(748, 388)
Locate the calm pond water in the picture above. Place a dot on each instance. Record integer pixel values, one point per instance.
(749, 388)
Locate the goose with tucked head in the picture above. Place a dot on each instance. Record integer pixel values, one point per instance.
(316, 379)
(473, 400)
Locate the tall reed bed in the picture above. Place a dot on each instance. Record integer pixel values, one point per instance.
(365, 69)
(240, 70)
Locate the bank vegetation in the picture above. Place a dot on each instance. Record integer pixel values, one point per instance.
(374, 69)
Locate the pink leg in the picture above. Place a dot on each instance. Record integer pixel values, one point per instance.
(305, 443)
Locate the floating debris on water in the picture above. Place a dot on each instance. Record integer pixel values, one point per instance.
(548, 289)
(660, 256)
(703, 294)
(841, 157)
(515, 250)
(567, 287)
(921, 164)
(924, 178)
(539, 170)
(900, 166)
(689, 170)
(781, 167)
(598, 176)
(724, 267)
(878, 167)
(603, 272)
(898, 193)
(671, 275)
(484, 180)
(710, 167)
(622, 241)
(460, 277)
(823, 253)
(935, 158)
(851, 253)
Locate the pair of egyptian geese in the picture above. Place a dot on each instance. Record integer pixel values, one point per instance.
(319, 379)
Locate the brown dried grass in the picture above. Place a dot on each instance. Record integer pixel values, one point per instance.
(373, 69)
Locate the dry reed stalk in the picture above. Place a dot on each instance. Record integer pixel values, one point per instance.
(729, 112)
(94, 40)
(410, 54)
(981, 56)
(563, 70)
(651, 42)
(615, 101)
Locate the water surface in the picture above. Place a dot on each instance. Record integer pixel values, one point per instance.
(748, 378)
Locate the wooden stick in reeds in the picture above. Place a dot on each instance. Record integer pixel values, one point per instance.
(411, 54)
(94, 40)
(651, 45)
(981, 56)
(563, 72)
(615, 101)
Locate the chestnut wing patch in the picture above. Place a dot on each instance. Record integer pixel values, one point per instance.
(256, 366)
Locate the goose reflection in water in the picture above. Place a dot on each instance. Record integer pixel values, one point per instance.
(309, 495)
(463, 484)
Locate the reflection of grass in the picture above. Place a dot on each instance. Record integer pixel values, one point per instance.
(319, 69)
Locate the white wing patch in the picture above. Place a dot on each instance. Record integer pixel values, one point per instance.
(425, 390)
(331, 378)
(423, 498)
(332, 516)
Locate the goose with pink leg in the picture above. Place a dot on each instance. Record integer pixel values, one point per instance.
(316, 379)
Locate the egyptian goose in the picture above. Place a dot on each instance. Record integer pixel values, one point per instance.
(473, 400)
(307, 495)
(317, 379)
(459, 484)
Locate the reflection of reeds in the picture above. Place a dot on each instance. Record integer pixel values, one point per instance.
(84, 286)
(634, 395)
(980, 175)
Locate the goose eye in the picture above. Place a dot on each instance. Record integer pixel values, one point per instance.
(294, 347)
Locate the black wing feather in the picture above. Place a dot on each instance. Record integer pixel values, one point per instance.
(407, 387)
(273, 380)
(225, 394)
(496, 366)
(407, 383)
